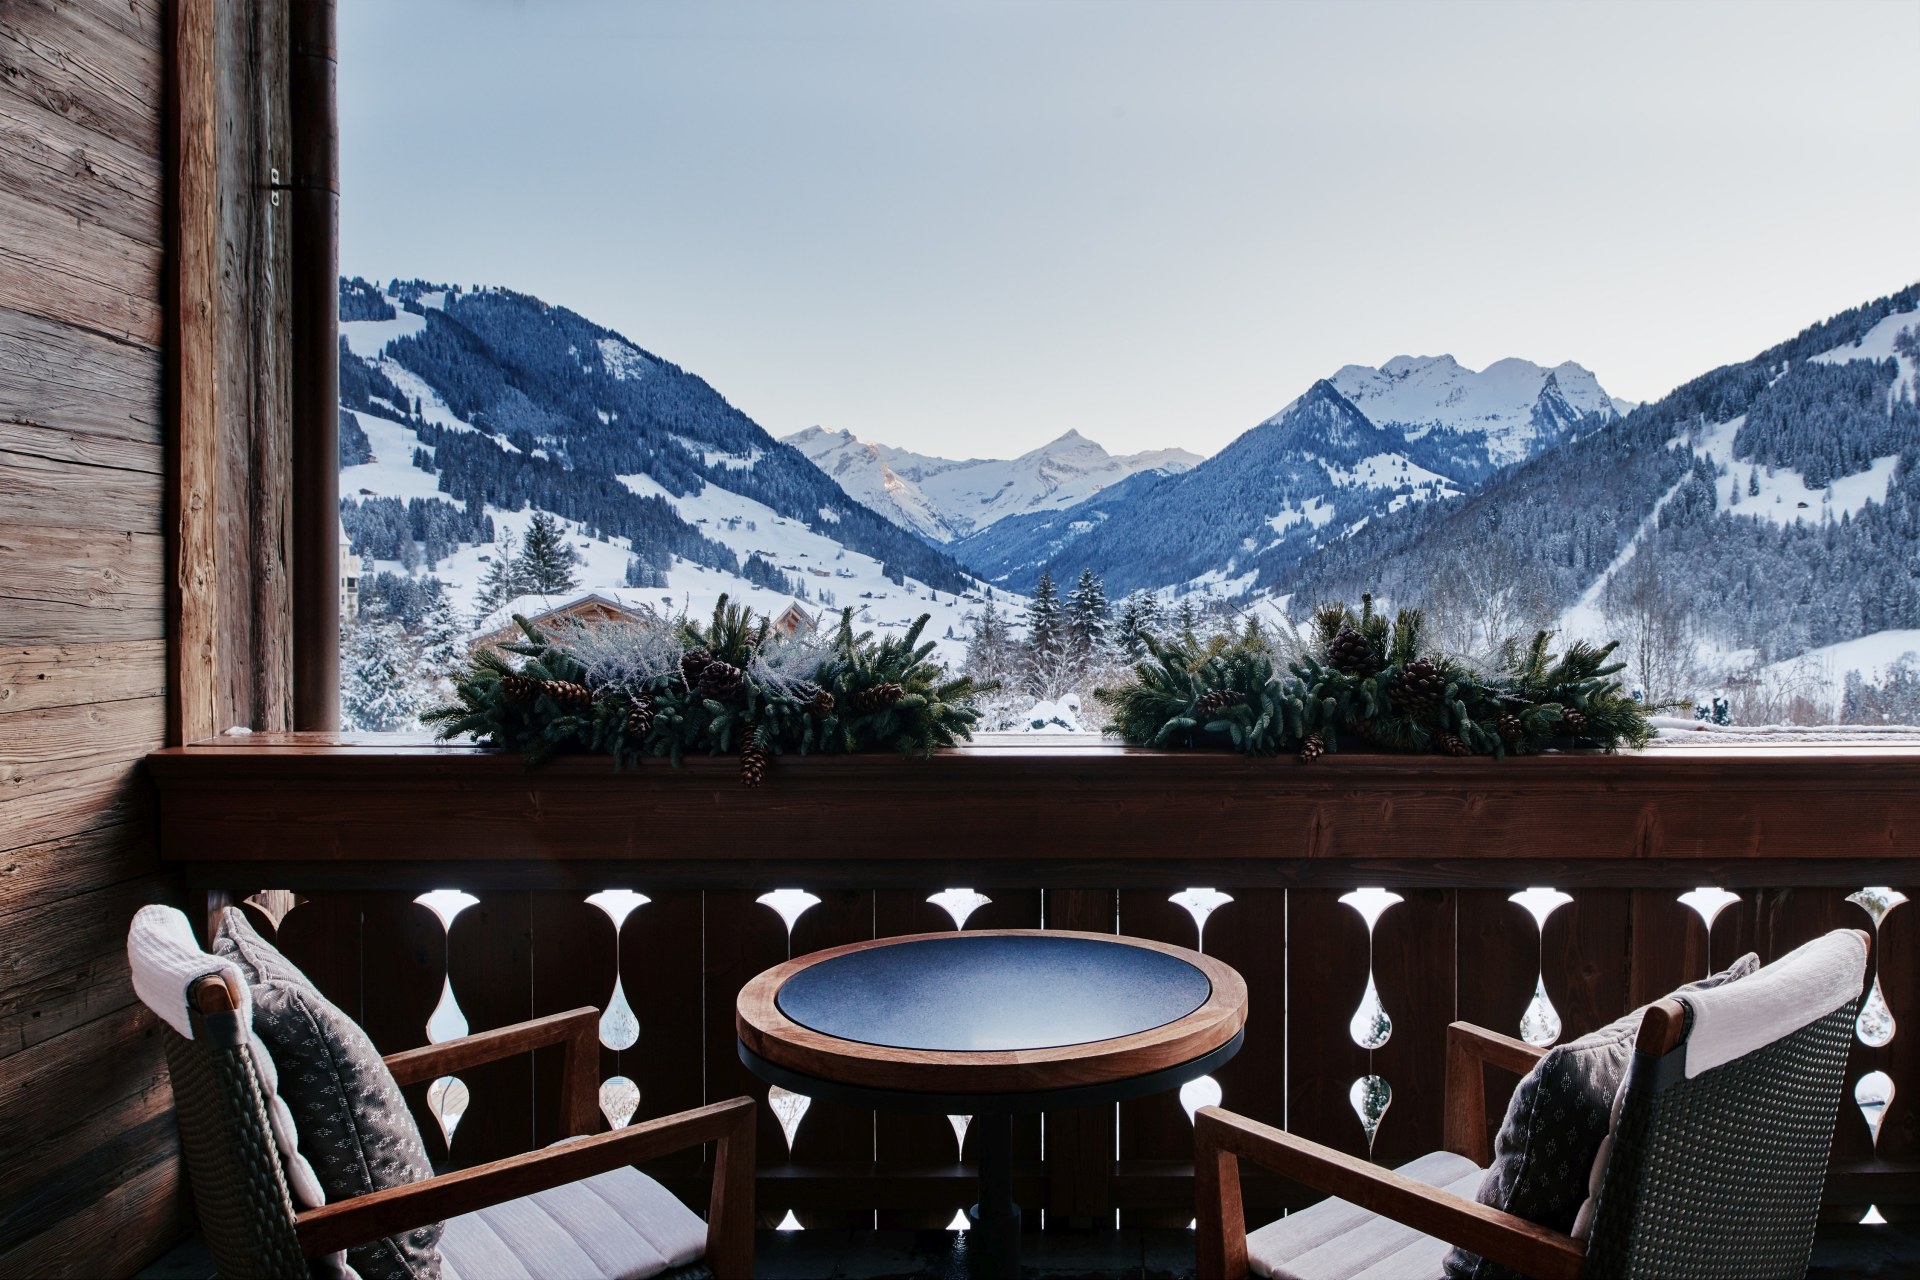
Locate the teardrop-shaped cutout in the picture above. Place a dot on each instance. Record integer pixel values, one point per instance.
(619, 1099)
(789, 1223)
(959, 1222)
(1201, 1091)
(1370, 1027)
(619, 1029)
(1874, 1026)
(447, 1099)
(1873, 1094)
(1540, 1024)
(789, 1109)
(959, 1124)
(447, 1022)
(1370, 1096)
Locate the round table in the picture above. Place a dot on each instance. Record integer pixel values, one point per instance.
(991, 1024)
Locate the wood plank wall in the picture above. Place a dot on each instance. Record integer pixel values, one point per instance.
(89, 1173)
(90, 1182)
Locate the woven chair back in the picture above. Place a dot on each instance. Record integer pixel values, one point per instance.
(1722, 1175)
(239, 1190)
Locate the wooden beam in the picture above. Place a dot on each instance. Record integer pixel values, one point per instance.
(194, 512)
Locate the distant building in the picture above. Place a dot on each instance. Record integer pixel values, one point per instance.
(499, 628)
(349, 578)
(794, 621)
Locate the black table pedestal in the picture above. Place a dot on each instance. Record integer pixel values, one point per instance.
(995, 1247)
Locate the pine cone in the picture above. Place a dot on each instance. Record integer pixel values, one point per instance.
(753, 761)
(520, 688)
(640, 716)
(877, 698)
(1350, 652)
(1573, 722)
(1509, 727)
(1213, 702)
(692, 663)
(722, 681)
(1453, 746)
(570, 696)
(820, 706)
(1418, 688)
(1313, 748)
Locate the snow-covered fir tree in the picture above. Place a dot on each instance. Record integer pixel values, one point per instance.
(1088, 618)
(383, 685)
(546, 561)
(1047, 657)
(443, 641)
(504, 578)
(1140, 620)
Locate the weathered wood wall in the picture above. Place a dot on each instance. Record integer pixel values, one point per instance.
(89, 1176)
(89, 1182)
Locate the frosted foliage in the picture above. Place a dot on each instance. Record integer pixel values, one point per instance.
(959, 904)
(1371, 904)
(1540, 1024)
(1873, 1094)
(446, 1022)
(1708, 903)
(619, 1028)
(1201, 1091)
(791, 664)
(618, 904)
(1370, 1096)
(959, 1124)
(446, 904)
(1877, 902)
(1875, 1025)
(1370, 1026)
(1540, 903)
(619, 1099)
(789, 1109)
(788, 904)
(447, 1099)
(1200, 904)
(623, 654)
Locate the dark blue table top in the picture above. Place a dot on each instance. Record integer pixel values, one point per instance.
(978, 992)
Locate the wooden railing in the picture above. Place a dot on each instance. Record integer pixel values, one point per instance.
(1443, 926)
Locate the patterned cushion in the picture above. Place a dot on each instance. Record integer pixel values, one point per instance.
(1560, 1113)
(619, 1223)
(354, 1125)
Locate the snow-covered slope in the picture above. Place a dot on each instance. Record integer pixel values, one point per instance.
(945, 498)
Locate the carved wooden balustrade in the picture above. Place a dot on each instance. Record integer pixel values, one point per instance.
(430, 891)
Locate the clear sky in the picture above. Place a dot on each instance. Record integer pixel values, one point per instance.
(966, 227)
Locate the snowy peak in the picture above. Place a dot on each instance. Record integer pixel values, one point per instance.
(945, 498)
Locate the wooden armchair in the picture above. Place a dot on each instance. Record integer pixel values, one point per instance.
(243, 1202)
(1222, 1140)
(1713, 1163)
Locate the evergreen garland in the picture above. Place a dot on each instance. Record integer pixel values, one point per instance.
(1349, 683)
(668, 687)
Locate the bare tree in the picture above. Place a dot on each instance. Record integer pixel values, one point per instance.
(1656, 633)
(1480, 603)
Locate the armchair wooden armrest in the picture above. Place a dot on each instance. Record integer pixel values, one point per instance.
(1470, 1050)
(1222, 1140)
(578, 1029)
(729, 1125)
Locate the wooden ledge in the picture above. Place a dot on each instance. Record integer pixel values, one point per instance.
(346, 811)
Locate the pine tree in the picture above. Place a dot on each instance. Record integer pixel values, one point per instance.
(503, 580)
(1186, 617)
(1140, 620)
(546, 561)
(990, 650)
(443, 643)
(1088, 619)
(1046, 639)
(380, 686)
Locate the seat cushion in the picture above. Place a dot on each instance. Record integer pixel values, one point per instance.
(616, 1224)
(1335, 1240)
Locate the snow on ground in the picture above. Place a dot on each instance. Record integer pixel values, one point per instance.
(368, 338)
(1317, 512)
(1388, 471)
(391, 474)
(1870, 655)
(1584, 617)
(1784, 496)
(1877, 344)
(623, 360)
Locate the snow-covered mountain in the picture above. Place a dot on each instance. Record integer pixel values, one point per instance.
(1358, 446)
(945, 498)
(463, 413)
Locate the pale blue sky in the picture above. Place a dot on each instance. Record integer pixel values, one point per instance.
(966, 227)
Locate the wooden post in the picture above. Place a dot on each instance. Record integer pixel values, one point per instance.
(315, 192)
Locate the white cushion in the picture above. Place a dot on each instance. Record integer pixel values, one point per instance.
(616, 1224)
(1800, 987)
(1334, 1240)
